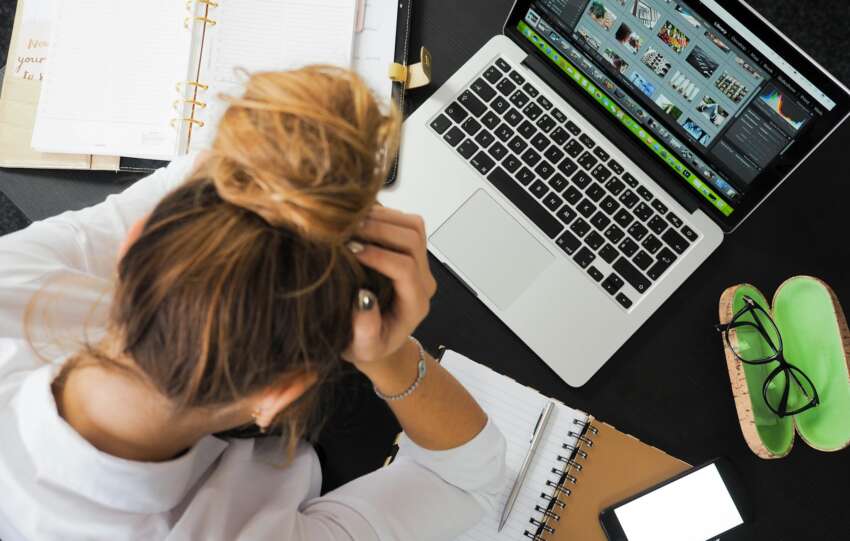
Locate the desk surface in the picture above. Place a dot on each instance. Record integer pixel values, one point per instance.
(668, 384)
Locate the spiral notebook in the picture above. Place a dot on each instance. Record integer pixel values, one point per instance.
(581, 466)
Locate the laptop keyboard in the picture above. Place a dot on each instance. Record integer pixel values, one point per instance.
(564, 181)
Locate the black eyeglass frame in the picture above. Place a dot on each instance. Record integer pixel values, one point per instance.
(784, 366)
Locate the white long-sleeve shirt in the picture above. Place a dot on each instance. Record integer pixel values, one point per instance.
(55, 485)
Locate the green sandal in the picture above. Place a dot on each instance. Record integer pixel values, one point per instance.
(815, 339)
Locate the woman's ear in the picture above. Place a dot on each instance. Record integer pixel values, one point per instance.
(274, 400)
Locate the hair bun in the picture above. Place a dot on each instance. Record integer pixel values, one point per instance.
(307, 149)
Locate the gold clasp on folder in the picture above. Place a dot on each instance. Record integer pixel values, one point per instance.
(415, 75)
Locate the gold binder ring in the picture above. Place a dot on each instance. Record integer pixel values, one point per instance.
(207, 21)
(198, 123)
(196, 84)
(197, 103)
(210, 3)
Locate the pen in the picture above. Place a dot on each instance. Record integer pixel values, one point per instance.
(535, 441)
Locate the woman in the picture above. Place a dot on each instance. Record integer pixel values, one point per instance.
(238, 282)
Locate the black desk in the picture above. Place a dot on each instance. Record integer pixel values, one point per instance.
(668, 385)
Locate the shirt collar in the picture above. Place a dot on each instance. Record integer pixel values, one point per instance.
(63, 458)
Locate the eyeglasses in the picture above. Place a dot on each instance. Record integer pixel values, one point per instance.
(754, 338)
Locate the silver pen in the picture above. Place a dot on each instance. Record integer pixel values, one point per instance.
(526, 462)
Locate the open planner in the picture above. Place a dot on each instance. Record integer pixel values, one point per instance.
(144, 79)
(581, 466)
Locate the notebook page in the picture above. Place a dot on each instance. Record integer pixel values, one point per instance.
(109, 87)
(515, 408)
(266, 35)
(374, 47)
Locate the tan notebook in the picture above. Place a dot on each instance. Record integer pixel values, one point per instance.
(581, 466)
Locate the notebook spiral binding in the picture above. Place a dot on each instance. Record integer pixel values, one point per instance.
(567, 475)
(198, 11)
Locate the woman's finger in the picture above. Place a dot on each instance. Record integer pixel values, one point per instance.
(367, 341)
(393, 216)
(411, 287)
(398, 238)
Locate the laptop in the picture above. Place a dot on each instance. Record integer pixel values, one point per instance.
(580, 166)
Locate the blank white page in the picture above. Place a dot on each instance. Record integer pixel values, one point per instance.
(515, 408)
(269, 35)
(110, 83)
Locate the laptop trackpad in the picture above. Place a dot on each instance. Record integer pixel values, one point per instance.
(492, 249)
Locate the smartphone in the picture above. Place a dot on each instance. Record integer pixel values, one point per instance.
(701, 504)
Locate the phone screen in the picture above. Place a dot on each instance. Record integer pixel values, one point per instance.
(696, 507)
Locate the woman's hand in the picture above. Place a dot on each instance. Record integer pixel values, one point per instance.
(397, 248)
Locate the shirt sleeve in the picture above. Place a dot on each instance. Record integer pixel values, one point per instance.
(75, 253)
(423, 495)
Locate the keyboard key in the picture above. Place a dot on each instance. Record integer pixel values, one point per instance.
(513, 117)
(623, 218)
(546, 104)
(454, 136)
(689, 234)
(518, 144)
(660, 207)
(573, 148)
(643, 260)
(567, 167)
(595, 192)
(530, 157)
(601, 173)
(568, 242)
(527, 129)
(615, 186)
(554, 154)
(674, 220)
(587, 161)
(441, 124)
(595, 273)
(657, 225)
(594, 240)
(582, 179)
(676, 241)
(532, 111)
(609, 253)
(540, 142)
(471, 126)
(504, 132)
(467, 149)
(632, 275)
(504, 66)
(616, 167)
(586, 208)
(573, 128)
(628, 247)
(544, 170)
(472, 104)
(483, 163)
(586, 140)
(614, 234)
(580, 227)
(560, 136)
(493, 74)
(666, 256)
(546, 123)
(657, 271)
(506, 87)
(484, 138)
(511, 163)
(530, 90)
(624, 301)
(651, 244)
(584, 257)
(498, 151)
(500, 105)
(490, 119)
(601, 154)
(572, 195)
(456, 112)
(525, 176)
(527, 204)
(629, 199)
(600, 221)
(630, 180)
(519, 99)
(566, 214)
(643, 192)
(610, 205)
(558, 183)
(637, 231)
(517, 78)
(643, 212)
(559, 116)
(612, 284)
(484, 90)
(538, 189)
(552, 202)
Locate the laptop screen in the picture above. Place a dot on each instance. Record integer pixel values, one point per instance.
(723, 111)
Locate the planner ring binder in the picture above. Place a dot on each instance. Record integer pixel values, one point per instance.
(206, 21)
(193, 121)
(195, 84)
(196, 103)
(567, 475)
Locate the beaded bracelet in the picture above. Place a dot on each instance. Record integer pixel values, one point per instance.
(420, 375)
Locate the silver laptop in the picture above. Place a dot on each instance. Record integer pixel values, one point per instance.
(583, 164)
